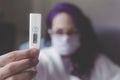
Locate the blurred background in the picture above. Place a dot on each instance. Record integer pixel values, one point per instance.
(14, 21)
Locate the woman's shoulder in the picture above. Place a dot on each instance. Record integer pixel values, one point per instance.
(104, 63)
(105, 69)
(46, 50)
(102, 59)
(44, 58)
(47, 54)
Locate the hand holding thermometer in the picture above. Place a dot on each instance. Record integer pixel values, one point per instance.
(34, 30)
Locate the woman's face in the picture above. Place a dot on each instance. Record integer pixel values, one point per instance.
(63, 24)
(64, 35)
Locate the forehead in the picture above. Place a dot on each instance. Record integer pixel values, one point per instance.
(62, 20)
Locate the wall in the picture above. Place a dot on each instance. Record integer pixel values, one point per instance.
(102, 11)
(105, 12)
(17, 12)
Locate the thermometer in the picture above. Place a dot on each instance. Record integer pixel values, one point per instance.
(34, 30)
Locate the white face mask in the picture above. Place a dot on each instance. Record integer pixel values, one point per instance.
(65, 45)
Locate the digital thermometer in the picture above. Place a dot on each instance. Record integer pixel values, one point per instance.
(34, 30)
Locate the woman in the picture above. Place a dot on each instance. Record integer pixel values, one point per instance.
(74, 46)
(13, 65)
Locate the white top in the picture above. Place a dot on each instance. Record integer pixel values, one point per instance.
(52, 67)
(105, 69)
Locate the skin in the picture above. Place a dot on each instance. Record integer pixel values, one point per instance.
(13, 65)
(63, 24)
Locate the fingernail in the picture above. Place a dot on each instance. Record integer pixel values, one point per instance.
(34, 73)
(34, 51)
(35, 61)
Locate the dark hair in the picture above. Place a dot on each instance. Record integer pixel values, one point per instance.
(85, 56)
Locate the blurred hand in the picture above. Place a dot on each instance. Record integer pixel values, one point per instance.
(14, 65)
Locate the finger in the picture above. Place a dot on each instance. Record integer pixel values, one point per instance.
(16, 67)
(26, 75)
(17, 55)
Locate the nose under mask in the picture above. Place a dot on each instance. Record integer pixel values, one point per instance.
(64, 44)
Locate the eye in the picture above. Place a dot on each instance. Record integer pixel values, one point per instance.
(59, 31)
(71, 32)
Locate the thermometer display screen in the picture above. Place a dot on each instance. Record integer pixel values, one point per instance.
(34, 38)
